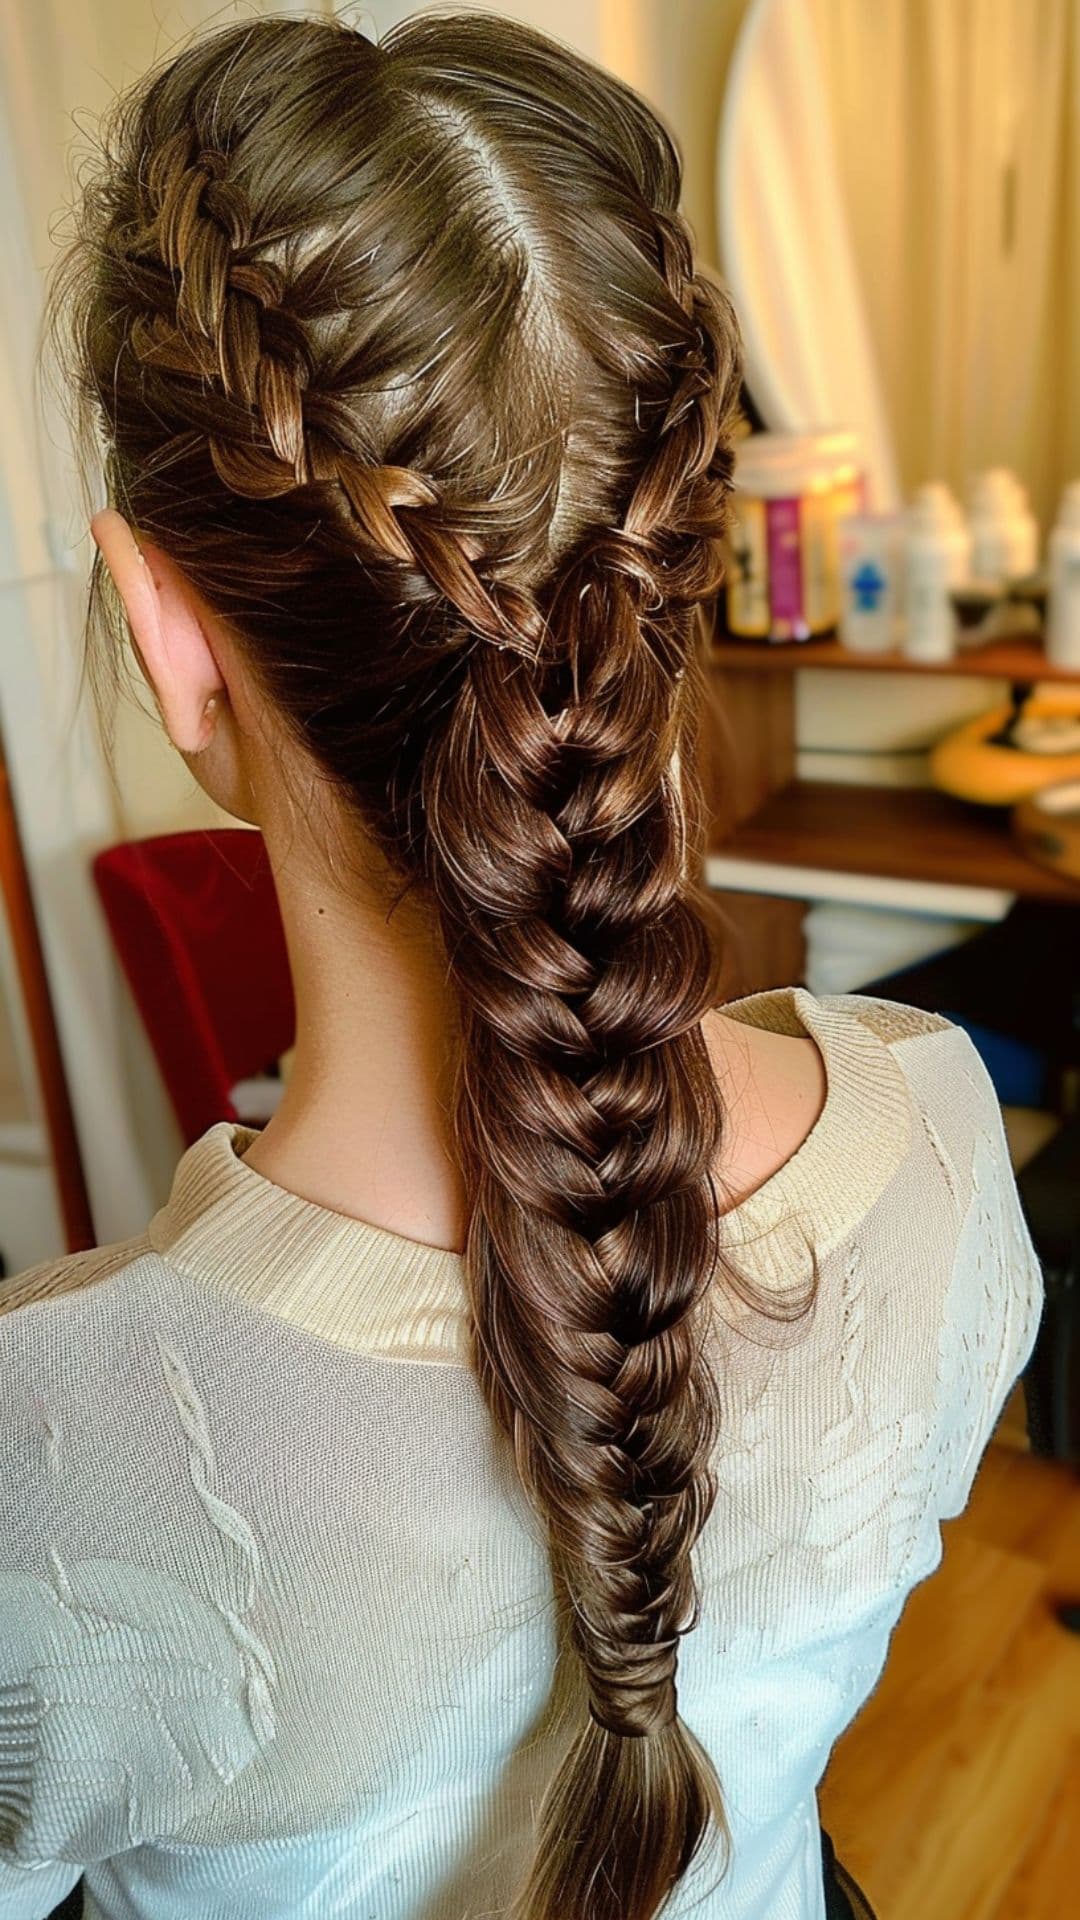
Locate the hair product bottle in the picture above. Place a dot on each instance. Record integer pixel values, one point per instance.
(1004, 535)
(783, 576)
(937, 558)
(871, 571)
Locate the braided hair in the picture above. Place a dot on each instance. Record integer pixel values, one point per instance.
(401, 352)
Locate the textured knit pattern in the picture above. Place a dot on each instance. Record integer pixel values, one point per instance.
(278, 1635)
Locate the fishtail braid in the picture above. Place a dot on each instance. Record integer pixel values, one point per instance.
(596, 993)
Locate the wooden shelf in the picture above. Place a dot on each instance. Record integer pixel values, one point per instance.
(904, 833)
(1022, 658)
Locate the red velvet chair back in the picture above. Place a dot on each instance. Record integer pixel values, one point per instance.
(197, 927)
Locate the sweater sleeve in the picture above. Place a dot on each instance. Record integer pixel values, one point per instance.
(32, 1893)
(123, 1710)
(996, 1294)
(129, 1701)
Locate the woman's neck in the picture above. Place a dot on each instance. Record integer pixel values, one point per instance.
(365, 1125)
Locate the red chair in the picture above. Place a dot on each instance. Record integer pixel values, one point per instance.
(196, 924)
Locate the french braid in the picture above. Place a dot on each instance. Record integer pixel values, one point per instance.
(591, 1246)
(230, 322)
(521, 742)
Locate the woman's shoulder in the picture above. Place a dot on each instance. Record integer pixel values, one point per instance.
(68, 1273)
(893, 1021)
(773, 1086)
(772, 1069)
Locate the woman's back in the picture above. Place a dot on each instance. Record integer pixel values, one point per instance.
(278, 1632)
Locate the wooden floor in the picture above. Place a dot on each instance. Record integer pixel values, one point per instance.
(956, 1793)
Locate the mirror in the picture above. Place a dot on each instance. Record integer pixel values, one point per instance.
(899, 212)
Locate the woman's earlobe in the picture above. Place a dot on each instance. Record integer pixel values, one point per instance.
(209, 721)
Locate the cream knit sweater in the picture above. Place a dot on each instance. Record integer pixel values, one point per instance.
(277, 1628)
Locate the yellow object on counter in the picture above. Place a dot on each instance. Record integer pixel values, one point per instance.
(1044, 748)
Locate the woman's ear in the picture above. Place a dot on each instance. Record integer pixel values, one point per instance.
(169, 634)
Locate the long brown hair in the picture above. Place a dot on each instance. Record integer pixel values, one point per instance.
(401, 353)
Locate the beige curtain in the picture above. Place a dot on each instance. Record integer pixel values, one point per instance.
(59, 64)
(956, 127)
(786, 243)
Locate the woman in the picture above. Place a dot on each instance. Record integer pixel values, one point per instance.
(490, 1488)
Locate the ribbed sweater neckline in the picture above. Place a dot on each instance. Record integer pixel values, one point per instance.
(372, 1289)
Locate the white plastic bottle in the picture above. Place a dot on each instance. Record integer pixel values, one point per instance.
(1004, 534)
(1063, 571)
(871, 554)
(937, 556)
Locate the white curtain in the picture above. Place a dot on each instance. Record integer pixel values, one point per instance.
(786, 244)
(59, 65)
(901, 221)
(58, 780)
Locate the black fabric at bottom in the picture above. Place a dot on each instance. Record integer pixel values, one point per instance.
(70, 1908)
(844, 1898)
